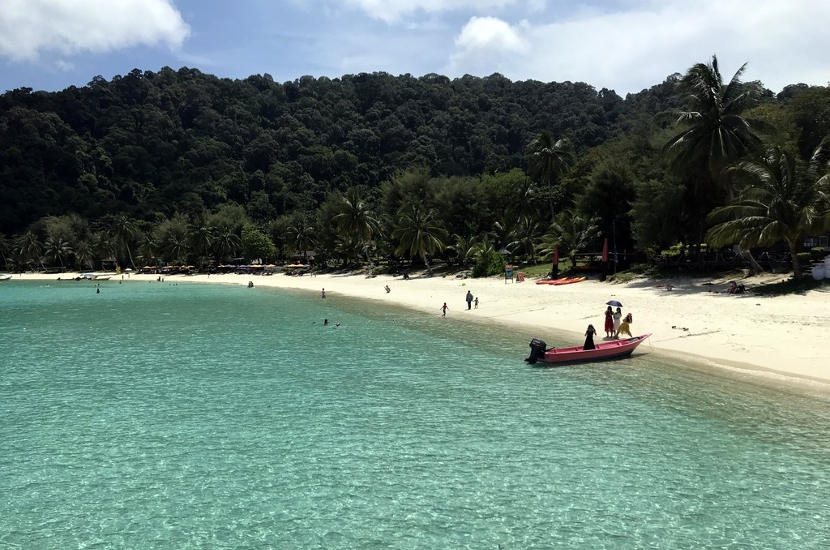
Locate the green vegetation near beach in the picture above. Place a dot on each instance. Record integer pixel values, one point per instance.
(184, 168)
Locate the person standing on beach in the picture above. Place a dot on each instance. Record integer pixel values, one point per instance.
(617, 319)
(609, 322)
(476, 302)
(589, 338)
(323, 294)
(469, 299)
(444, 309)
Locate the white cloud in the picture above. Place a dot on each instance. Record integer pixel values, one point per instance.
(29, 28)
(393, 10)
(486, 41)
(784, 43)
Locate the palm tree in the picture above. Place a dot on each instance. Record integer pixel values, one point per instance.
(175, 246)
(418, 233)
(124, 229)
(29, 248)
(57, 249)
(784, 202)
(148, 249)
(84, 254)
(463, 248)
(357, 220)
(571, 232)
(226, 244)
(171, 235)
(525, 233)
(201, 238)
(549, 159)
(302, 234)
(714, 134)
(103, 245)
(5, 249)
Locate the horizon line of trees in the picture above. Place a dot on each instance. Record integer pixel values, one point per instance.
(695, 160)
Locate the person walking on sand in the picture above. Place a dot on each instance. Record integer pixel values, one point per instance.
(469, 299)
(589, 338)
(617, 319)
(444, 309)
(609, 322)
(323, 294)
(476, 302)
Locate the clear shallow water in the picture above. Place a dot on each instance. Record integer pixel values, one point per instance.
(189, 416)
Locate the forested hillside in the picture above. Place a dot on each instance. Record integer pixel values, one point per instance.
(116, 164)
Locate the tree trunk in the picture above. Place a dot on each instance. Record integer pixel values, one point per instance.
(754, 266)
(368, 258)
(130, 255)
(794, 255)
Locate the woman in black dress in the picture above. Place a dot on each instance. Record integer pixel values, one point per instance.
(589, 338)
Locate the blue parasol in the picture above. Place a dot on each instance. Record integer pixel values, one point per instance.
(613, 303)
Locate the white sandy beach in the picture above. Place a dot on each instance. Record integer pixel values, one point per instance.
(780, 338)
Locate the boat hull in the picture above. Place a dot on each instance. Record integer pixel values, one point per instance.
(604, 351)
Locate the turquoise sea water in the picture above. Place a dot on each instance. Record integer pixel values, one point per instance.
(194, 416)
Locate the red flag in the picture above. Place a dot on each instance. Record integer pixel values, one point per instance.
(556, 256)
(605, 250)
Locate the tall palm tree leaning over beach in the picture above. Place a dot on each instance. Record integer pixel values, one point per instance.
(714, 135)
(418, 233)
(548, 161)
(784, 201)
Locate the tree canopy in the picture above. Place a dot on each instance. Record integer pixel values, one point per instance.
(182, 166)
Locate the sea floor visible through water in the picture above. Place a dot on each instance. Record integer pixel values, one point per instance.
(205, 416)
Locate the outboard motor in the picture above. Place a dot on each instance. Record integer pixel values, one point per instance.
(537, 350)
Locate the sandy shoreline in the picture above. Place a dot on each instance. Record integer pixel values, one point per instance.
(782, 339)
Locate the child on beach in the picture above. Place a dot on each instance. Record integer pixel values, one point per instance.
(444, 309)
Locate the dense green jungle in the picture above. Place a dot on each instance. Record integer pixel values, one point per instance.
(178, 167)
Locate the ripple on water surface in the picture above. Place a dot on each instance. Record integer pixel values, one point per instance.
(208, 416)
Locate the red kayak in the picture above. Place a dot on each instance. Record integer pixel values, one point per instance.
(611, 349)
(562, 281)
(568, 281)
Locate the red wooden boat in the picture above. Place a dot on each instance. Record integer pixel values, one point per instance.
(611, 349)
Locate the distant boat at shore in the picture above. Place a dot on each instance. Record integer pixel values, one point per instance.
(95, 276)
(5, 277)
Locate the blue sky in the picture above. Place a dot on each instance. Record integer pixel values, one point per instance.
(625, 45)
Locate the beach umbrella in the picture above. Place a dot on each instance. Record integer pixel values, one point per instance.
(613, 303)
